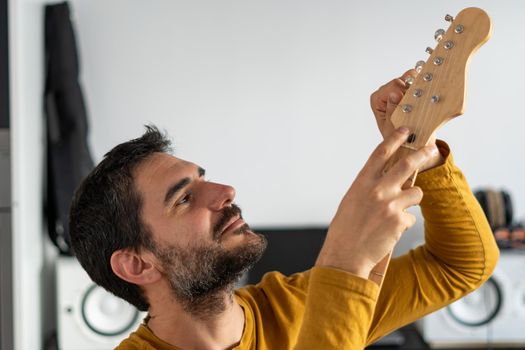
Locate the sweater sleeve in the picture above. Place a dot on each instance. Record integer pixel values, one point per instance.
(338, 311)
(459, 253)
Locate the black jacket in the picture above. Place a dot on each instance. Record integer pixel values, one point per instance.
(68, 156)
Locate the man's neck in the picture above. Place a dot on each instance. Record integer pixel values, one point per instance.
(172, 323)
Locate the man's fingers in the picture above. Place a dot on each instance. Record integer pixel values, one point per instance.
(410, 197)
(393, 101)
(409, 73)
(405, 167)
(377, 161)
(409, 219)
(379, 99)
(406, 221)
(382, 102)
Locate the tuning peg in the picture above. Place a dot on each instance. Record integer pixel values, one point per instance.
(429, 50)
(438, 61)
(439, 34)
(409, 80)
(406, 108)
(449, 18)
(419, 66)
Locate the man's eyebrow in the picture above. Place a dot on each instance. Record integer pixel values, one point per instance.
(175, 188)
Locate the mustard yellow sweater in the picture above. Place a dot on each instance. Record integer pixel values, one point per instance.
(325, 308)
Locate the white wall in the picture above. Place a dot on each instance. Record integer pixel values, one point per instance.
(272, 96)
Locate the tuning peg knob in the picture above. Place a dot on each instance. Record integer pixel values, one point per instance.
(406, 108)
(449, 18)
(419, 66)
(429, 50)
(440, 33)
(438, 61)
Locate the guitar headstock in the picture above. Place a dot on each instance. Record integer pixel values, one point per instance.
(437, 94)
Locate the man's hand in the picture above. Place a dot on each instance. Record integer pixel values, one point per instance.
(372, 216)
(384, 101)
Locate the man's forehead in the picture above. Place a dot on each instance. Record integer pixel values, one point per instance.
(161, 164)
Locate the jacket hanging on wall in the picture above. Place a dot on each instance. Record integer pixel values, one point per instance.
(68, 157)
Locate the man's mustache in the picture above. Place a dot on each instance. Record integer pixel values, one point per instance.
(228, 213)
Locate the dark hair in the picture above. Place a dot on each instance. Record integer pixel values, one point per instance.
(105, 214)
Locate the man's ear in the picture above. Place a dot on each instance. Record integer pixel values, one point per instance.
(135, 267)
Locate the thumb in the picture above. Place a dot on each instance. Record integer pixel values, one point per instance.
(391, 104)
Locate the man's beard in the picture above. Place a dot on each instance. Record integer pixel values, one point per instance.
(202, 277)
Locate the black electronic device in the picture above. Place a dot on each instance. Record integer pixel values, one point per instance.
(497, 206)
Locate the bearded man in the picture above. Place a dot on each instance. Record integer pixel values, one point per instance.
(148, 227)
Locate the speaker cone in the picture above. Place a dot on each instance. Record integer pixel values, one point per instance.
(479, 307)
(106, 314)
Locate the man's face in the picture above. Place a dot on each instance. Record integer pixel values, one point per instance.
(201, 242)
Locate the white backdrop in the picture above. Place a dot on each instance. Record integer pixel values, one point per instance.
(272, 96)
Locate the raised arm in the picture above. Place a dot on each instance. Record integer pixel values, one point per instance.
(459, 253)
(340, 301)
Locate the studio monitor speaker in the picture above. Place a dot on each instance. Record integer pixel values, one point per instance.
(492, 315)
(88, 316)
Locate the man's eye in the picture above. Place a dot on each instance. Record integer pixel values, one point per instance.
(185, 199)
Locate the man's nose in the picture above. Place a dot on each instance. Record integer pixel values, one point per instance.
(221, 196)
